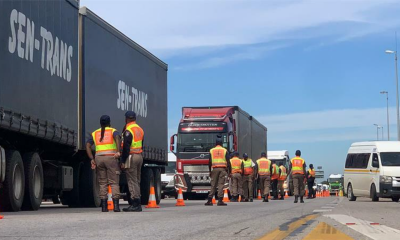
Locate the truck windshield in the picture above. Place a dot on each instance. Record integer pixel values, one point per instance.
(390, 158)
(198, 142)
(279, 161)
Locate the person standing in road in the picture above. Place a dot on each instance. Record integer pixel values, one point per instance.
(274, 180)
(263, 173)
(310, 182)
(298, 169)
(219, 166)
(107, 142)
(132, 160)
(236, 176)
(248, 178)
(281, 180)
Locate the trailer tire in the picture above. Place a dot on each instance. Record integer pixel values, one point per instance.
(33, 181)
(157, 184)
(146, 183)
(72, 198)
(12, 193)
(89, 186)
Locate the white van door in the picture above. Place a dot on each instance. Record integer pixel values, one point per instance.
(374, 172)
(364, 177)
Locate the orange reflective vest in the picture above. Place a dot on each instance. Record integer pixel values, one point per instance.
(248, 168)
(311, 173)
(108, 146)
(218, 159)
(264, 166)
(236, 165)
(275, 172)
(283, 175)
(297, 165)
(137, 137)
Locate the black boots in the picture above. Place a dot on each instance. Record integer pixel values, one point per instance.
(135, 207)
(103, 204)
(209, 202)
(116, 205)
(221, 203)
(243, 199)
(234, 199)
(265, 198)
(296, 199)
(251, 200)
(301, 199)
(282, 198)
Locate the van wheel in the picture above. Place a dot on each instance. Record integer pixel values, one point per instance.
(395, 199)
(373, 194)
(12, 193)
(33, 181)
(350, 194)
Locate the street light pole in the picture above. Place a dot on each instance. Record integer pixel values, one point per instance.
(377, 131)
(397, 88)
(382, 132)
(387, 110)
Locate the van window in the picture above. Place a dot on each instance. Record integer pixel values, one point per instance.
(357, 160)
(390, 158)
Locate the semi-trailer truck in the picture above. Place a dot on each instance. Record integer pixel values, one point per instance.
(198, 130)
(61, 68)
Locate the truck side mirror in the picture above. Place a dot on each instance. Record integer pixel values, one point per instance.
(375, 163)
(172, 143)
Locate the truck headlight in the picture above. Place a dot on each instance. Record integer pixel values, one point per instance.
(385, 179)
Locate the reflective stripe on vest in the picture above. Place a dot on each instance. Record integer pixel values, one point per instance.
(137, 137)
(297, 165)
(218, 157)
(236, 165)
(107, 146)
(248, 168)
(283, 173)
(264, 166)
(275, 172)
(311, 173)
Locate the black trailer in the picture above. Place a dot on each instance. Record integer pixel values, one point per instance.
(50, 102)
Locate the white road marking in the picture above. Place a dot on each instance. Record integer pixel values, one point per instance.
(328, 207)
(365, 227)
(322, 210)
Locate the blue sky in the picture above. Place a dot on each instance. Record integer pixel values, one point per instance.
(311, 71)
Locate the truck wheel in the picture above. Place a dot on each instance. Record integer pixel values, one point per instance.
(89, 186)
(72, 198)
(146, 182)
(12, 193)
(373, 193)
(395, 199)
(350, 194)
(157, 184)
(33, 181)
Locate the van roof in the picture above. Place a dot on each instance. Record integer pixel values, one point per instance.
(277, 154)
(381, 146)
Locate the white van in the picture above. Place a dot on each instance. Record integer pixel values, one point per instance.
(372, 170)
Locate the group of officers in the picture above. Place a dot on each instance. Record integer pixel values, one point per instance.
(115, 154)
(243, 174)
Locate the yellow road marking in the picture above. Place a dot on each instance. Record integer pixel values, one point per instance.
(280, 233)
(325, 231)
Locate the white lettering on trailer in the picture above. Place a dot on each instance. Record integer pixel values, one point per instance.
(56, 54)
(130, 98)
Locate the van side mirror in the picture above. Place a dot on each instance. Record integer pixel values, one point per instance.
(375, 163)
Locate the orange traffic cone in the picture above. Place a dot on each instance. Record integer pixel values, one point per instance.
(213, 200)
(240, 198)
(226, 197)
(259, 194)
(110, 204)
(306, 193)
(337, 195)
(179, 201)
(286, 194)
(152, 199)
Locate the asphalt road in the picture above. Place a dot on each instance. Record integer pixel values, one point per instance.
(321, 218)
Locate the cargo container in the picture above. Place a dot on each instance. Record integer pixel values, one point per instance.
(197, 133)
(61, 68)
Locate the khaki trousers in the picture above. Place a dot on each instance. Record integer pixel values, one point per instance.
(133, 174)
(248, 186)
(298, 182)
(281, 190)
(265, 183)
(236, 184)
(218, 179)
(108, 171)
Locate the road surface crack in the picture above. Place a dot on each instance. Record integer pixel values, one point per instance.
(241, 230)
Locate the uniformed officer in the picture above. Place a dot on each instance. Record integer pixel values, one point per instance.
(132, 160)
(263, 173)
(274, 180)
(236, 176)
(310, 182)
(107, 143)
(281, 181)
(298, 169)
(219, 167)
(248, 178)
